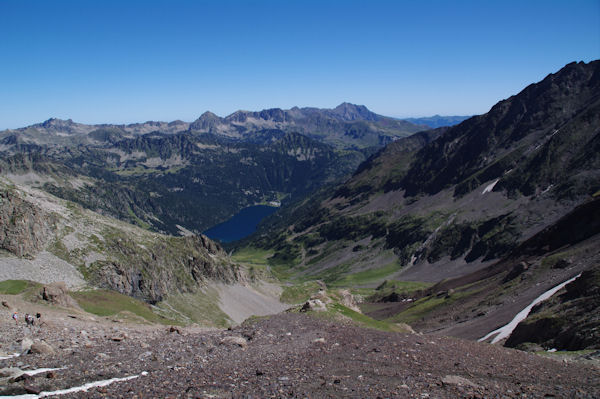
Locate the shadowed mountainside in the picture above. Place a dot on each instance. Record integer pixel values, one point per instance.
(447, 202)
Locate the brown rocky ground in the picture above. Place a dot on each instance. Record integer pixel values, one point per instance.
(287, 355)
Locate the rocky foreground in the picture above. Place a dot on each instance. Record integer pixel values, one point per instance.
(287, 355)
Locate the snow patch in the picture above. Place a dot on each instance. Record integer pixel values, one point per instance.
(43, 370)
(490, 187)
(10, 356)
(505, 331)
(82, 388)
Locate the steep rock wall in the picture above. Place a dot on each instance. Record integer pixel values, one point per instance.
(24, 228)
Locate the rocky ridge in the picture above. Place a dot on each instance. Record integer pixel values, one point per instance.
(345, 126)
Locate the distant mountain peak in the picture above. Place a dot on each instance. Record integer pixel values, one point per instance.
(238, 116)
(57, 122)
(351, 112)
(206, 121)
(347, 105)
(208, 115)
(274, 114)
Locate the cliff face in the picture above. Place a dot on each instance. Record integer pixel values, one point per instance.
(24, 228)
(168, 265)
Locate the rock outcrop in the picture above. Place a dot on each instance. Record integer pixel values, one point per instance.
(58, 294)
(170, 265)
(24, 228)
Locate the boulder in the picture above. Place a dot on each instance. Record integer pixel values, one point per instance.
(231, 340)
(11, 372)
(31, 389)
(322, 296)
(315, 305)
(41, 347)
(516, 271)
(405, 328)
(57, 294)
(347, 299)
(458, 380)
(26, 344)
(174, 329)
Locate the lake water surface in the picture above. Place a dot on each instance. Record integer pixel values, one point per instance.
(241, 224)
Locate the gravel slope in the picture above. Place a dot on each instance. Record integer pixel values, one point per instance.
(242, 301)
(287, 355)
(44, 268)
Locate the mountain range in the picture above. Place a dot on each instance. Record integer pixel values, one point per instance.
(344, 126)
(452, 230)
(179, 176)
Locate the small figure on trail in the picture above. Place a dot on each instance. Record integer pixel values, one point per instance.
(40, 322)
(15, 317)
(29, 319)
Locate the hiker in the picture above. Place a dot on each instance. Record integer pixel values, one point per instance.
(29, 320)
(40, 323)
(15, 317)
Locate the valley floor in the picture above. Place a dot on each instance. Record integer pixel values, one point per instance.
(286, 355)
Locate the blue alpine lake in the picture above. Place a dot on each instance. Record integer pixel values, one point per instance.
(241, 224)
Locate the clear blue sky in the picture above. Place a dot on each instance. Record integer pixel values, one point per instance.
(132, 61)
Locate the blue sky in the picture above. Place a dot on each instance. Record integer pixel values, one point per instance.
(132, 61)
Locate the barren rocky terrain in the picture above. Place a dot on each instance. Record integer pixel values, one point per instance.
(286, 355)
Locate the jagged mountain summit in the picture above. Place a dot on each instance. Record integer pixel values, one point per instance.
(347, 125)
